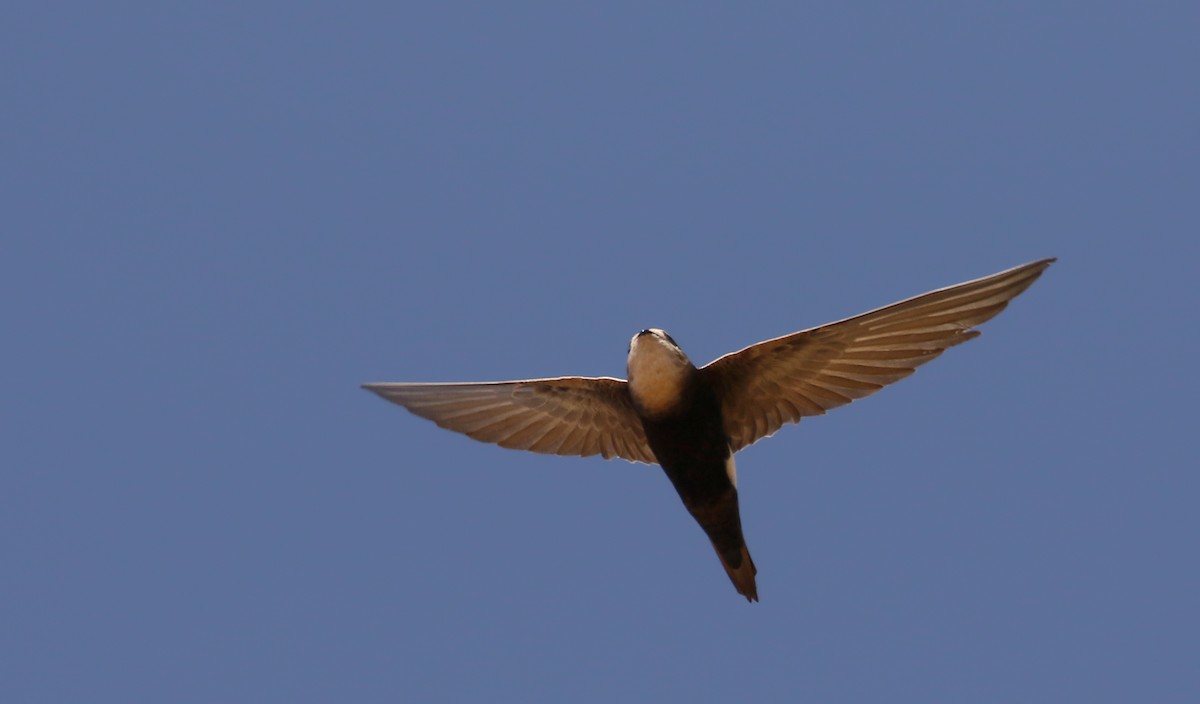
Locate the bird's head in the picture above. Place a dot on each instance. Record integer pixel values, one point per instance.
(657, 370)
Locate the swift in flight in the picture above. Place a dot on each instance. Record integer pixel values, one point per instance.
(692, 420)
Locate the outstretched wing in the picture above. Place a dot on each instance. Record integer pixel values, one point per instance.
(809, 372)
(564, 416)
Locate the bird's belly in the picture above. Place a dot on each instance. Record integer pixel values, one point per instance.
(700, 466)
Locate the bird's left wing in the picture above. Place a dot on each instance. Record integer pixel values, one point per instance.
(809, 372)
(564, 416)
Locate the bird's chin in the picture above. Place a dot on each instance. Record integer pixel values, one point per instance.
(657, 377)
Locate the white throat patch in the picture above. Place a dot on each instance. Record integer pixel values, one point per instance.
(658, 370)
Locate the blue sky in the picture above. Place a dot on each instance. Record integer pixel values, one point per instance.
(220, 218)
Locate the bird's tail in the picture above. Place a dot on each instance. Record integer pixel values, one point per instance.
(741, 570)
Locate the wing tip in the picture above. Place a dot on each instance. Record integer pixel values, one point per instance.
(1036, 266)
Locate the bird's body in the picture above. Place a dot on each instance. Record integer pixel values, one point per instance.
(692, 420)
(681, 417)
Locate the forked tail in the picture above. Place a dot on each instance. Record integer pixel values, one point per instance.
(742, 575)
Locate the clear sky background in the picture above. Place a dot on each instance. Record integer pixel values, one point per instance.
(220, 218)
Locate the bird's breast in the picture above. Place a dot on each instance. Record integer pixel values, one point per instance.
(658, 388)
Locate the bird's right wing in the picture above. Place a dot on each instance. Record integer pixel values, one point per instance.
(564, 416)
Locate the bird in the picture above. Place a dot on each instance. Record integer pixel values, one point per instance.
(692, 420)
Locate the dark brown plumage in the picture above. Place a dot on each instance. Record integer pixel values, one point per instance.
(691, 420)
